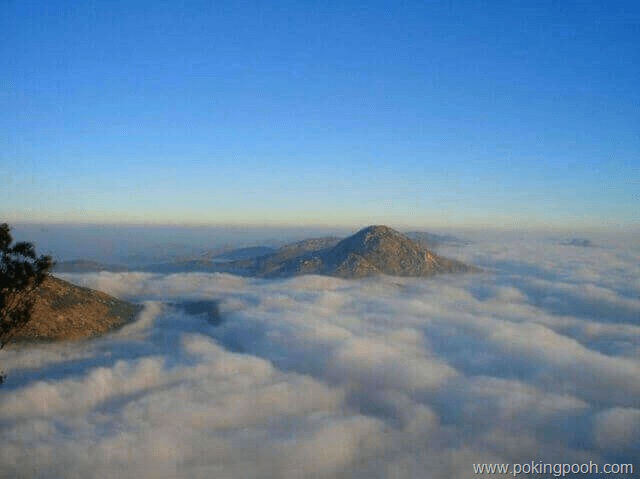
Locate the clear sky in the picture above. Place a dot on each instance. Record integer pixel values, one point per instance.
(427, 113)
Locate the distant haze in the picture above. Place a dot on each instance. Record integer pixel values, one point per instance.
(141, 244)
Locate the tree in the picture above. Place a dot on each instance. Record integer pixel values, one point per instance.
(21, 273)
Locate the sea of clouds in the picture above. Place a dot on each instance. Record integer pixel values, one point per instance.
(536, 359)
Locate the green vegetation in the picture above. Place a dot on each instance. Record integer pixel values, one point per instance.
(21, 273)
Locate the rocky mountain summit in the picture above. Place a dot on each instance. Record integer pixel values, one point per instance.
(372, 250)
(64, 311)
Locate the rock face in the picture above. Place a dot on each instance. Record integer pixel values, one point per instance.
(372, 250)
(64, 311)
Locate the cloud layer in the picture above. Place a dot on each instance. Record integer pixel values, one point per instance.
(538, 359)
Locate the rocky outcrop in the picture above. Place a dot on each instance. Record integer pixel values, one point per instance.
(372, 250)
(64, 311)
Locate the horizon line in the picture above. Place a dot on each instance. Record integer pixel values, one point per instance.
(302, 226)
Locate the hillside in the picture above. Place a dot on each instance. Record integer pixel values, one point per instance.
(432, 240)
(64, 311)
(244, 253)
(372, 250)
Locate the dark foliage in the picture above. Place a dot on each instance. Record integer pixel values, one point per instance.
(21, 273)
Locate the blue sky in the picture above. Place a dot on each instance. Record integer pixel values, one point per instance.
(441, 114)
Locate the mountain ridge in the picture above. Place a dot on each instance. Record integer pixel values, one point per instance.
(376, 249)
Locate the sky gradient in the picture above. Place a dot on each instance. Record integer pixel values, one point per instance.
(442, 114)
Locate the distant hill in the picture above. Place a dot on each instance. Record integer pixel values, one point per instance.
(209, 262)
(248, 261)
(86, 266)
(581, 242)
(304, 246)
(372, 250)
(263, 265)
(376, 252)
(431, 240)
(244, 253)
(270, 264)
(184, 266)
(64, 311)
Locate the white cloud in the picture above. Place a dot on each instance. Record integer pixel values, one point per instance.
(617, 428)
(538, 359)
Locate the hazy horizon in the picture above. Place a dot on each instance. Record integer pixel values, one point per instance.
(121, 243)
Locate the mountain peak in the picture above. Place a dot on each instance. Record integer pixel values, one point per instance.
(383, 249)
(377, 229)
(376, 249)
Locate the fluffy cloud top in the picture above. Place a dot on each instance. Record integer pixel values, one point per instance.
(538, 359)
